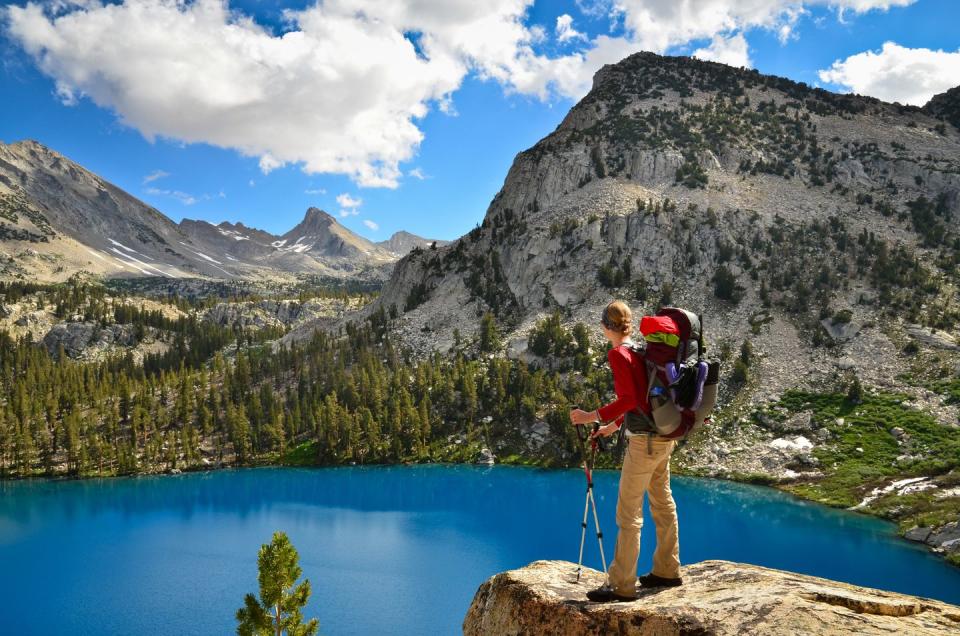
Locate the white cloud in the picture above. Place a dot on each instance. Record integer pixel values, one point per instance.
(344, 213)
(370, 224)
(730, 50)
(565, 30)
(896, 73)
(347, 201)
(315, 191)
(251, 183)
(268, 163)
(344, 88)
(417, 173)
(156, 174)
(660, 25)
(340, 92)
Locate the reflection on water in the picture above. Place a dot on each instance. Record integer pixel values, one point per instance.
(419, 540)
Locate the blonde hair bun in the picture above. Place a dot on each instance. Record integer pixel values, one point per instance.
(618, 317)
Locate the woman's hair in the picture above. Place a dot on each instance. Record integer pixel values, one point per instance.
(617, 317)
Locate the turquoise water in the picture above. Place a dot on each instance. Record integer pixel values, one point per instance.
(391, 550)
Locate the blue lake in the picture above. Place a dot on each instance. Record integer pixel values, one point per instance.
(391, 550)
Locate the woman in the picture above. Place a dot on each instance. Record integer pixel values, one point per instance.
(646, 470)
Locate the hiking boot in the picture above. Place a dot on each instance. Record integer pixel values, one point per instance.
(605, 594)
(652, 580)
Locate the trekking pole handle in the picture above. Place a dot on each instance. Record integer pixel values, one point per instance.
(597, 440)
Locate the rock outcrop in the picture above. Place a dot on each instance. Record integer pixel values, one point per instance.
(718, 597)
(76, 337)
(946, 106)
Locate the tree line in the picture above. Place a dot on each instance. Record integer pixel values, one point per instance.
(345, 397)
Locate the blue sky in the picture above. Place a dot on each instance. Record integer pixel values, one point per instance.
(449, 116)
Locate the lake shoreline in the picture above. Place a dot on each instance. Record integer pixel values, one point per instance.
(169, 556)
(747, 480)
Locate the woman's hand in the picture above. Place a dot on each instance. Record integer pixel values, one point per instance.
(578, 416)
(606, 431)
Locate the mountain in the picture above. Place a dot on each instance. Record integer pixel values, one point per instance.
(401, 243)
(316, 253)
(815, 232)
(57, 218)
(672, 172)
(320, 234)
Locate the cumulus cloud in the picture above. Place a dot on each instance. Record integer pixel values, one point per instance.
(565, 30)
(347, 201)
(344, 88)
(727, 50)
(896, 73)
(348, 205)
(341, 92)
(660, 25)
(370, 224)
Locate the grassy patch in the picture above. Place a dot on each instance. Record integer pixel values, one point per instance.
(520, 460)
(301, 455)
(950, 389)
(864, 454)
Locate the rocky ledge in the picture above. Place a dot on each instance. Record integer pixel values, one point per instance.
(717, 597)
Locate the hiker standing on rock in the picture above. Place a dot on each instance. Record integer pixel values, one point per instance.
(646, 470)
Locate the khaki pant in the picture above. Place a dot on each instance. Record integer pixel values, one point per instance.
(646, 470)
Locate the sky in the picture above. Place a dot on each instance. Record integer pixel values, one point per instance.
(395, 114)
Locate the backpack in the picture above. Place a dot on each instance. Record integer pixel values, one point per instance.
(681, 385)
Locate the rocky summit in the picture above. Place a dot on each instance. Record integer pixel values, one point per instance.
(717, 598)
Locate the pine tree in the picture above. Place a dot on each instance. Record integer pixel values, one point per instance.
(278, 611)
(489, 334)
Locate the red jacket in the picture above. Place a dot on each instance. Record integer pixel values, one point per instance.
(629, 383)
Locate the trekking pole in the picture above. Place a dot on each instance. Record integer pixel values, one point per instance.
(589, 501)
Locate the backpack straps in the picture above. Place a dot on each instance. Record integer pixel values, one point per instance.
(700, 339)
(651, 376)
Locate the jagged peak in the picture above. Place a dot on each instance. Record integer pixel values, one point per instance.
(315, 215)
(317, 222)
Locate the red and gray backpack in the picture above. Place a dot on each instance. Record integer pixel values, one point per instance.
(681, 384)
